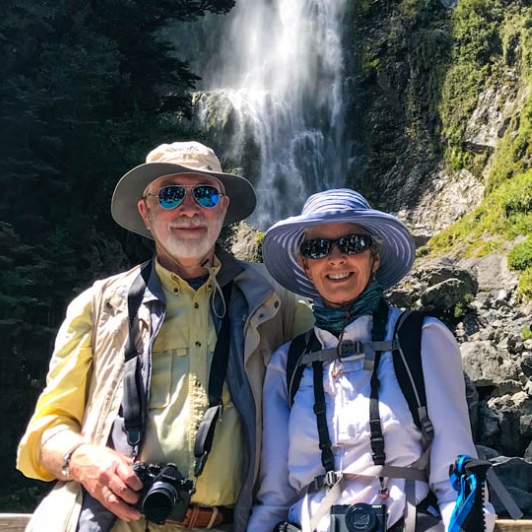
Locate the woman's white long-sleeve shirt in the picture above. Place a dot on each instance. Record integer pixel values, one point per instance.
(291, 457)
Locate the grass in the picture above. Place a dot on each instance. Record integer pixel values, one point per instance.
(504, 215)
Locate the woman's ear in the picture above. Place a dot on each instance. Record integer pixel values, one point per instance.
(376, 263)
(304, 264)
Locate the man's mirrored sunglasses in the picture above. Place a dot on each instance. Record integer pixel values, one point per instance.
(318, 248)
(171, 196)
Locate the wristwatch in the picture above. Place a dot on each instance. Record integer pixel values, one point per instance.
(65, 468)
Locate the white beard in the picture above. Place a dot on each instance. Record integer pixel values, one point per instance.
(193, 247)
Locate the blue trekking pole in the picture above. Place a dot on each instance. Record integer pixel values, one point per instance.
(468, 478)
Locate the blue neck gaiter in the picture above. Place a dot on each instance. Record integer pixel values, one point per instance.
(335, 320)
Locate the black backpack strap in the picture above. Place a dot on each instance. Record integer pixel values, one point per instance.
(378, 333)
(299, 346)
(320, 411)
(409, 369)
(205, 434)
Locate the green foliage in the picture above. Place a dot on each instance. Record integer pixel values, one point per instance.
(524, 291)
(505, 214)
(398, 53)
(526, 333)
(514, 152)
(462, 307)
(86, 89)
(258, 250)
(520, 257)
(476, 40)
(489, 37)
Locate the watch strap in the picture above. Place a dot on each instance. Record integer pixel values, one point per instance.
(67, 457)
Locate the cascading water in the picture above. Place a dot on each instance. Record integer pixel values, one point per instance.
(279, 84)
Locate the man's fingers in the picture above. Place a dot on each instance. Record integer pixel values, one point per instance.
(121, 490)
(108, 476)
(120, 508)
(128, 477)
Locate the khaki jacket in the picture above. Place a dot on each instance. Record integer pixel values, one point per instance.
(263, 314)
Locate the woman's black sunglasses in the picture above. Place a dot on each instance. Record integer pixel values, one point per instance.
(318, 248)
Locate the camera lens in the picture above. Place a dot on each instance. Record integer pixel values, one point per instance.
(361, 518)
(159, 501)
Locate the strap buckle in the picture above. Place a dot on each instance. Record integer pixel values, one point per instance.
(133, 435)
(324, 481)
(369, 356)
(200, 464)
(348, 347)
(331, 478)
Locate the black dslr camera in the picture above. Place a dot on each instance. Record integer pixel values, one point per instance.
(164, 494)
(359, 517)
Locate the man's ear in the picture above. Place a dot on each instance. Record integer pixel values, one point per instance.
(143, 211)
(227, 200)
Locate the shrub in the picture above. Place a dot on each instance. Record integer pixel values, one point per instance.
(524, 292)
(520, 257)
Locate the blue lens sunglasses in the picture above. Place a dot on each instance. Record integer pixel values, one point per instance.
(171, 196)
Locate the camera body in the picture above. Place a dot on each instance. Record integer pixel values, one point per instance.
(165, 494)
(360, 517)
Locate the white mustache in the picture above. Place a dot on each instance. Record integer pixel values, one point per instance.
(184, 221)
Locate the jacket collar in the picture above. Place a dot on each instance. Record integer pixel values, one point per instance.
(254, 285)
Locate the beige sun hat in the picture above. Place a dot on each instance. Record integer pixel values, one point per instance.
(178, 158)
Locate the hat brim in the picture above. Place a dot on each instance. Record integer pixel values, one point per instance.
(282, 240)
(132, 185)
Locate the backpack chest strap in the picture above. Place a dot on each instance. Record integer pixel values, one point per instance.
(347, 349)
(412, 472)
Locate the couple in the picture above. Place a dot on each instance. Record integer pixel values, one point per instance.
(161, 381)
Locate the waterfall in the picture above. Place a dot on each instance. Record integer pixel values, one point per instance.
(276, 96)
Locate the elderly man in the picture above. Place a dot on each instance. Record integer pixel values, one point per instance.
(152, 409)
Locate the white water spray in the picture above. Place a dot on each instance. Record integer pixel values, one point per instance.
(279, 81)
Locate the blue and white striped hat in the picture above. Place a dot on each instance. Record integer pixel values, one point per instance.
(282, 240)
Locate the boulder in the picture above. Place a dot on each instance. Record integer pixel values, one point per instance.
(486, 365)
(516, 476)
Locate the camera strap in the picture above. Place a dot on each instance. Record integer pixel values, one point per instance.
(205, 434)
(134, 404)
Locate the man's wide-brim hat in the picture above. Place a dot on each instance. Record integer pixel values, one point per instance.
(281, 242)
(178, 158)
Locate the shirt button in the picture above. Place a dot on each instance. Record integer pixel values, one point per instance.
(198, 344)
(176, 290)
(196, 305)
(276, 304)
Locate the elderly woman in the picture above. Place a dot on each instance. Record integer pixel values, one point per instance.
(324, 465)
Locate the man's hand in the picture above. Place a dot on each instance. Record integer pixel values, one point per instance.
(108, 477)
